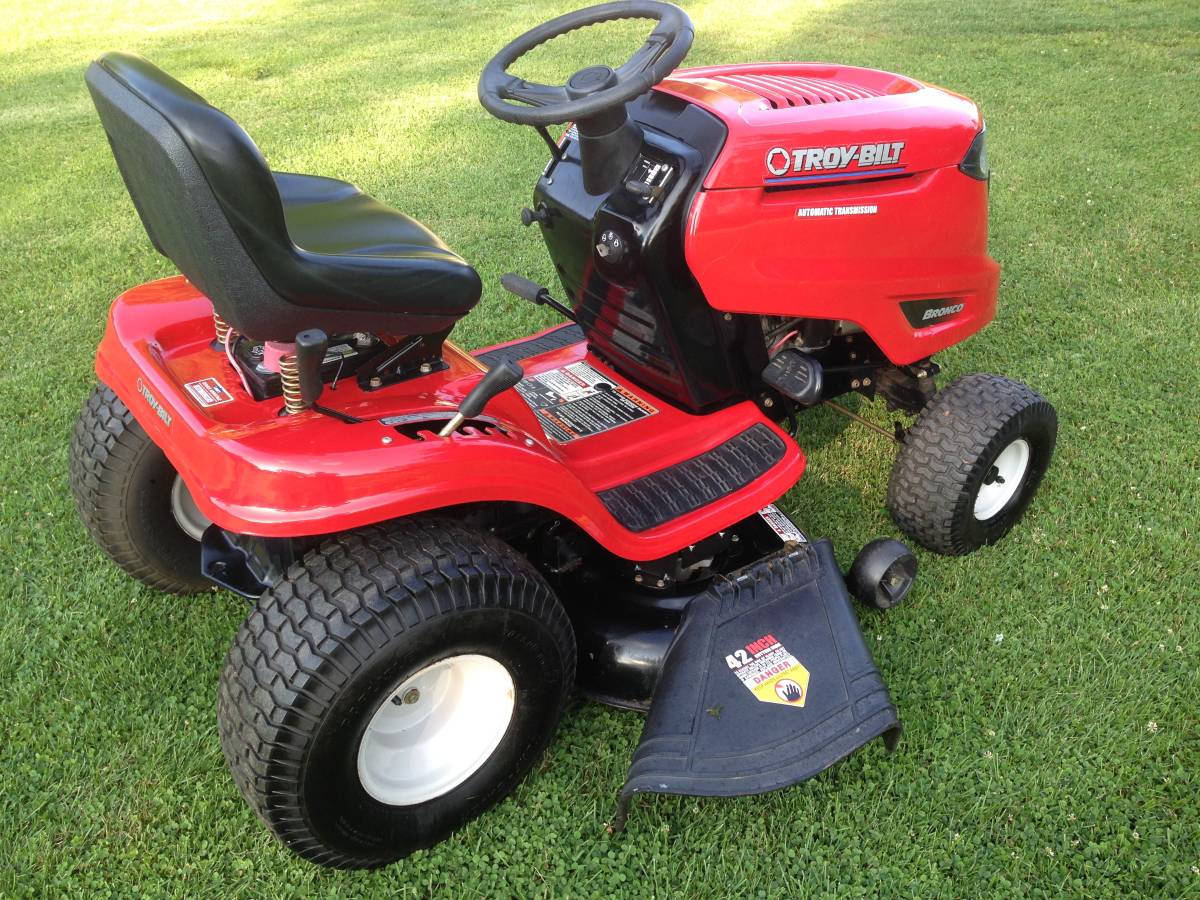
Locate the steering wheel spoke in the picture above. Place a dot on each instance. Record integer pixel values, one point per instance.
(645, 56)
(532, 92)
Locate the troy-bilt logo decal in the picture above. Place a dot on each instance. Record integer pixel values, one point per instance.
(812, 163)
(154, 404)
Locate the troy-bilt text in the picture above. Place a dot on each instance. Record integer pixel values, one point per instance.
(781, 161)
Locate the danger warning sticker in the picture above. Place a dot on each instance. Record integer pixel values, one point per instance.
(208, 392)
(770, 672)
(576, 401)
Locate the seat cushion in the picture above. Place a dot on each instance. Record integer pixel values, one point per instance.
(327, 219)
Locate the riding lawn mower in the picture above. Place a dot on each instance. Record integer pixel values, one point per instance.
(441, 544)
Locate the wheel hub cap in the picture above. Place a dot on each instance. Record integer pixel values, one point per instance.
(1003, 480)
(436, 729)
(187, 514)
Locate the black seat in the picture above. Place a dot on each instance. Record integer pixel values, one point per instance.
(276, 253)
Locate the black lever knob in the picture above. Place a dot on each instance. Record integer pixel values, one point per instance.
(311, 347)
(498, 380)
(524, 288)
(534, 293)
(644, 189)
(529, 216)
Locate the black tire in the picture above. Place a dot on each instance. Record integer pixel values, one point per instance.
(883, 573)
(950, 452)
(324, 649)
(122, 485)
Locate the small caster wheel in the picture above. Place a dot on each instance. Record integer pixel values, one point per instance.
(883, 573)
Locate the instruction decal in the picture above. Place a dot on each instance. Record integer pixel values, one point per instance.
(577, 401)
(770, 672)
(208, 392)
(777, 520)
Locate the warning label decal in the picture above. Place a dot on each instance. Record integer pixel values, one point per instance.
(576, 401)
(769, 672)
(208, 392)
(777, 520)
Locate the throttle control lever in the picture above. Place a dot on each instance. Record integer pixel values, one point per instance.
(498, 380)
(534, 293)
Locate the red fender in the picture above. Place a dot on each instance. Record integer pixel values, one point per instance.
(253, 471)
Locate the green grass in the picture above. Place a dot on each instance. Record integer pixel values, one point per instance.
(1060, 758)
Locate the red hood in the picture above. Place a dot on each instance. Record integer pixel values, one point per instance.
(797, 123)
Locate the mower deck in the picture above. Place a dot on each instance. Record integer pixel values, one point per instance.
(767, 683)
(639, 475)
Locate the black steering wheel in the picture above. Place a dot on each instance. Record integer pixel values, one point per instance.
(595, 89)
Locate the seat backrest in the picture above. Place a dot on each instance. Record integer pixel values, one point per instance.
(201, 187)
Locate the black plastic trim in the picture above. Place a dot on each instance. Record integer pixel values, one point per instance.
(938, 310)
(245, 564)
(975, 163)
(642, 309)
(563, 336)
(667, 494)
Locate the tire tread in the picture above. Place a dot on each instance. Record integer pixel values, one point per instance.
(307, 636)
(927, 492)
(107, 446)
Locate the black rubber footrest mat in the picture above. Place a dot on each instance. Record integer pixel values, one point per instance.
(563, 336)
(767, 683)
(684, 487)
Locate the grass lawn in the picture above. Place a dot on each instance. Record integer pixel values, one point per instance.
(1049, 685)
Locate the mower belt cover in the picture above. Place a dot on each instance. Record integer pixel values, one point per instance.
(767, 683)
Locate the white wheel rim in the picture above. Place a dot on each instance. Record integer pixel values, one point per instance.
(436, 729)
(1003, 479)
(187, 514)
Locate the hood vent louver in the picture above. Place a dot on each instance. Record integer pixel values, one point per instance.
(784, 91)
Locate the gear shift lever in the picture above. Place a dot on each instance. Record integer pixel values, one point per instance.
(498, 380)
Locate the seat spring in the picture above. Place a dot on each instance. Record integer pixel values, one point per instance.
(289, 378)
(221, 327)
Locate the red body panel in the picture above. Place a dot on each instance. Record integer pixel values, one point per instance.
(252, 471)
(852, 242)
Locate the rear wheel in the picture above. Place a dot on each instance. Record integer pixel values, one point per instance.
(131, 499)
(972, 462)
(398, 682)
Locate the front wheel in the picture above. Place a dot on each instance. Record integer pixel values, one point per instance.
(972, 462)
(397, 683)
